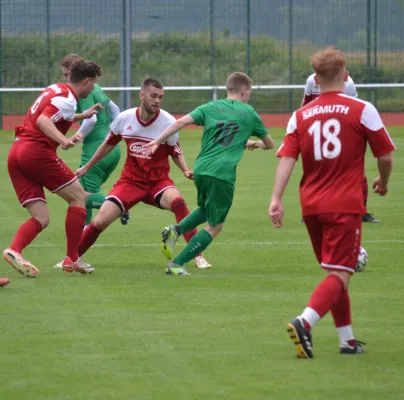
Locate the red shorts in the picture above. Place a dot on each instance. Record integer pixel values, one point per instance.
(336, 239)
(128, 193)
(33, 166)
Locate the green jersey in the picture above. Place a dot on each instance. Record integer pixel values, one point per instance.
(95, 138)
(227, 126)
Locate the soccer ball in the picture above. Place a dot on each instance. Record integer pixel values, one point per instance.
(362, 260)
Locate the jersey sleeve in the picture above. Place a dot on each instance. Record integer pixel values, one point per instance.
(115, 130)
(351, 89)
(379, 139)
(290, 146)
(59, 108)
(259, 128)
(198, 115)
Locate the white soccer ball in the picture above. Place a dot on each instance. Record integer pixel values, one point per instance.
(362, 260)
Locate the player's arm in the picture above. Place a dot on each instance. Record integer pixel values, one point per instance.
(85, 128)
(266, 143)
(385, 166)
(181, 163)
(93, 110)
(114, 109)
(308, 95)
(151, 147)
(46, 125)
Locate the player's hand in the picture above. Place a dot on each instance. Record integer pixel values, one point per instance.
(67, 144)
(379, 187)
(92, 110)
(150, 148)
(77, 138)
(189, 175)
(275, 213)
(252, 145)
(81, 171)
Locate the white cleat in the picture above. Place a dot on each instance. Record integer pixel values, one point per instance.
(22, 266)
(201, 263)
(88, 268)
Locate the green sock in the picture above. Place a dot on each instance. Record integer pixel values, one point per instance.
(196, 245)
(93, 200)
(191, 221)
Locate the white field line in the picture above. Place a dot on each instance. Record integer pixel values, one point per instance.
(230, 244)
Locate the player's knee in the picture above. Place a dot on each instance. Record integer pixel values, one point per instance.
(214, 230)
(344, 276)
(178, 204)
(43, 220)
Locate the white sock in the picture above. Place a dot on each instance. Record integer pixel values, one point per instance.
(310, 315)
(345, 333)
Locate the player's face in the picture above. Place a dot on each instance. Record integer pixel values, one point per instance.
(65, 73)
(246, 93)
(151, 98)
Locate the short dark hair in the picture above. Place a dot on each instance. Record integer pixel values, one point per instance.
(236, 81)
(81, 69)
(69, 58)
(152, 82)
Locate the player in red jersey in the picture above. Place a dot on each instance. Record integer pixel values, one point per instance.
(311, 92)
(144, 178)
(331, 134)
(34, 164)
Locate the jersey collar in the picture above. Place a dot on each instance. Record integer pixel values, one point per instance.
(144, 124)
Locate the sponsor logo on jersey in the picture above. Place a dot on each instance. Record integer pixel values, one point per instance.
(136, 150)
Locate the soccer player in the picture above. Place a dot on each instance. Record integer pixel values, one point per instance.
(311, 92)
(143, 178)
(331, 134)
(94, 130)
(227, 126)
(34, 164)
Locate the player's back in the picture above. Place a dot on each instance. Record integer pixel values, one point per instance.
(332, 134)
(227, 126)
(57, 102)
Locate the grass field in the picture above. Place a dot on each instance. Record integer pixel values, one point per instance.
(129, 332)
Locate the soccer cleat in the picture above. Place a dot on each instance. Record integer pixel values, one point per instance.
(22, 266)
(125, 217)
(301, 221)
(88, 267)
(346, 348)
(301, 338)
(4, 282)
(201, 263)
(169, 237)
(79, 266)
(174, 269)
(370, 219)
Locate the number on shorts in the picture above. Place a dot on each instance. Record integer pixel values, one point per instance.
(330, 131)
(37, 102)
(225, 132)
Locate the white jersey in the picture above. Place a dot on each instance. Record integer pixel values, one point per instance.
(312, 89)
(136, 133)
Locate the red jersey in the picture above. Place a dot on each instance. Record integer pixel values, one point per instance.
(331, 134)
(136, 134)
(57, 102)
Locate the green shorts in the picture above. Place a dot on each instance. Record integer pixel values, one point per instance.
(97, 175)
(215, 197)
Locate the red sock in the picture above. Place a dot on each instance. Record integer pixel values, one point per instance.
(75, 220)
(341, 310)
(326, 294)
(26, 233)
(180, 210)
(88, 238)
(365, 190)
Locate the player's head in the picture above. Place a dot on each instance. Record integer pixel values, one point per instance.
(151, 95)
(66, 63)
(329, 64)
(239, 85)
(83, 75)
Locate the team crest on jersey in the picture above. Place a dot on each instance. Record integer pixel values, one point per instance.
(136, 150)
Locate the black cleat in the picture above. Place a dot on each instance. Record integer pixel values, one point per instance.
(346, 348)
(301, 338)
(125, 217)
(370, 219)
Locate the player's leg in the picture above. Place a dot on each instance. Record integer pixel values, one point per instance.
(215, 198)
(166, 196)
(367, 217)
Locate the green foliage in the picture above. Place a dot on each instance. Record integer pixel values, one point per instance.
(179, 59)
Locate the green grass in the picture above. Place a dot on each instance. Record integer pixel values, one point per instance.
(130, 332)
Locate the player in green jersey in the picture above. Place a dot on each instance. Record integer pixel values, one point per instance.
(93, 131)
(228, 124)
